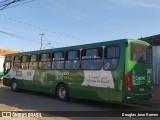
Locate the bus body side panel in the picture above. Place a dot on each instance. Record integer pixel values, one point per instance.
(101, 85)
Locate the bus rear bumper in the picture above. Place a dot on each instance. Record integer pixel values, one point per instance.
(136, 97)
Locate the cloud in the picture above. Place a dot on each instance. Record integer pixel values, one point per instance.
(143, 3)
(63, 9)
(69, 10)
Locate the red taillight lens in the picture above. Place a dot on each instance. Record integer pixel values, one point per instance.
(128, 82)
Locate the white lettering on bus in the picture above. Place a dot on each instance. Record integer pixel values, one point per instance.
(149, 71)
(63, 73)
(137, 80)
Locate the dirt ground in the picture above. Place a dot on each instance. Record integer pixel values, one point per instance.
(13, 108)
(8, 108)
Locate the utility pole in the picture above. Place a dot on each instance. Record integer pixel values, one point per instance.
(41, 40)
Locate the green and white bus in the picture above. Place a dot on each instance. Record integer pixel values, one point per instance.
(119, 70)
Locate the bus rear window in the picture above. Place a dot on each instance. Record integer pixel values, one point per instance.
(141, 53)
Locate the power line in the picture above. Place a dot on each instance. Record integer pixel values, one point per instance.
(33, 26)
(31, 39)
(20, 33)
(6, 3)
(17, 36)
(19, 4)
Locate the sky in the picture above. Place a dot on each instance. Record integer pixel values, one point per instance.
(75, 22)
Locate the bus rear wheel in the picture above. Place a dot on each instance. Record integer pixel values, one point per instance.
(62, 92)
(14, 86)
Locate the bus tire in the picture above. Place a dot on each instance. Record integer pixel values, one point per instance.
(14, 86)
(62, 92)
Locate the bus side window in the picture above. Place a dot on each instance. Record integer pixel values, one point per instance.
(45, 61)
(16, 62)
(25, 62)
(33, 62)
(111, 57)
(92, 59)
(7, 66)
(58, 60)
(7, 63)
(72, 59)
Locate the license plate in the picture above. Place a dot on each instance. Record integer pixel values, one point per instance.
(141, 89)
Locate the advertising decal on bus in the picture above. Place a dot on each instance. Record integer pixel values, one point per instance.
(100, 78)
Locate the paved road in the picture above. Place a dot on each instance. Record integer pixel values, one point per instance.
(42, 102)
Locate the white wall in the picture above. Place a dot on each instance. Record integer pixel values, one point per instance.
(1, 63)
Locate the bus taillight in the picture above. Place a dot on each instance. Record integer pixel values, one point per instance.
(128, 82)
